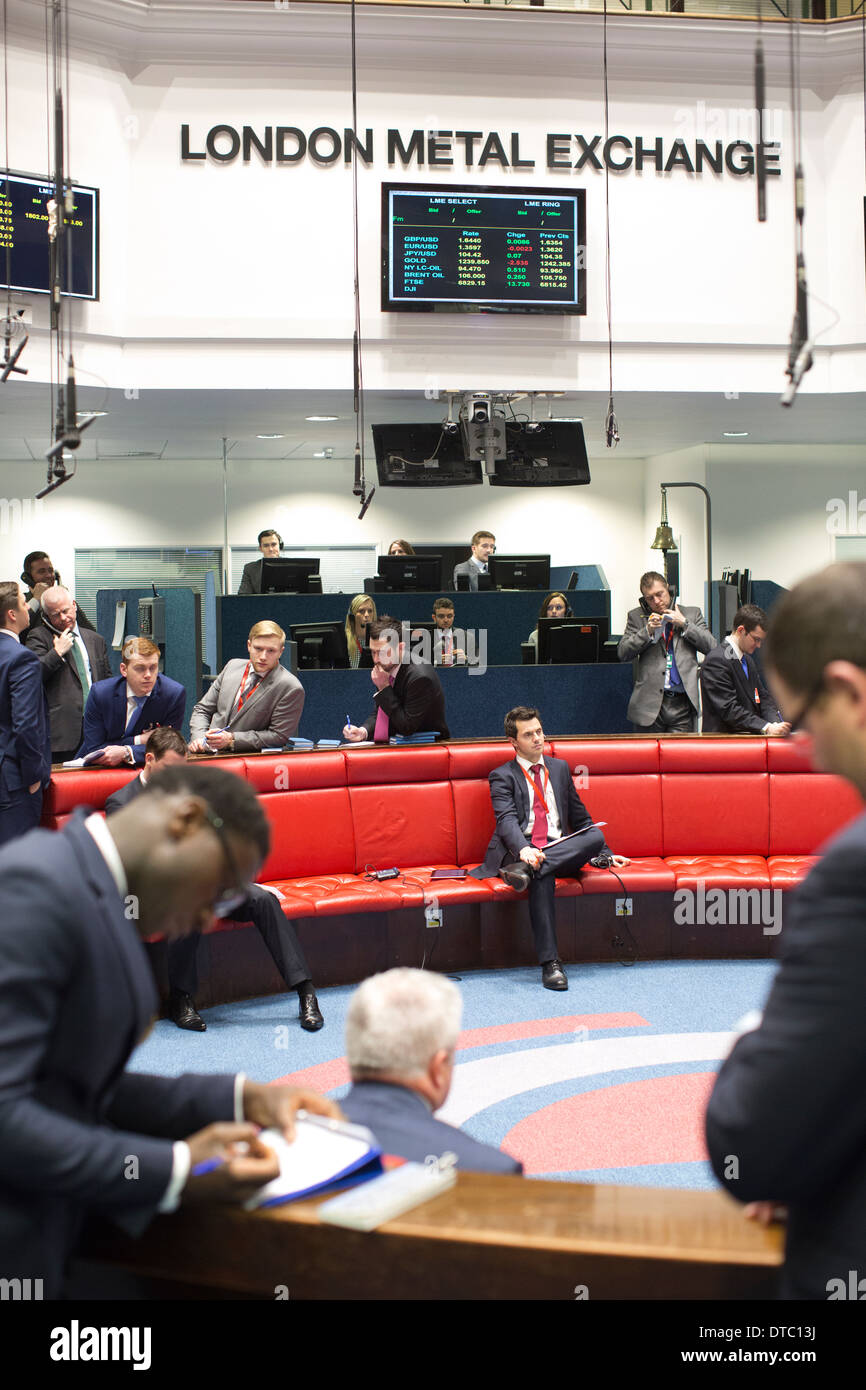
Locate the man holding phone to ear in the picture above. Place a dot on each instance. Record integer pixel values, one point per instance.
(39, 574)
(664, 640)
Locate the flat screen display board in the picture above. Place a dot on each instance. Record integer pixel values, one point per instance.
(474, 249)
(24, 245)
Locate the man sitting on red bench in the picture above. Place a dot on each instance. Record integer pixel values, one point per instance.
(536, 804)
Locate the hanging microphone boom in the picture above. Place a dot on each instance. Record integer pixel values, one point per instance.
(760, 99)
(365, 505)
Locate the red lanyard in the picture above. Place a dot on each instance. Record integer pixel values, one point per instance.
(243, 697)
(534, 785)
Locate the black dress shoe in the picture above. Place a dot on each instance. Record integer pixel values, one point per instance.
(517, 875)
(182, 1011)
(553, 976)
(309, 1012)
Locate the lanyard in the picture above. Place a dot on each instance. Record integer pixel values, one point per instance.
(244, 697)
(539, 795)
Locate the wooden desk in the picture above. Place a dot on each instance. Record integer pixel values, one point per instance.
(488, 1238)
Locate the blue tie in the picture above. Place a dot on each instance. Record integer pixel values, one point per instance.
(139, 701)
(745, 667)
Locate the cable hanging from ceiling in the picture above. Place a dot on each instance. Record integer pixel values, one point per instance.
(359, 488)
(800, 346)
(14, 334)
(66, 426)
(611, 428)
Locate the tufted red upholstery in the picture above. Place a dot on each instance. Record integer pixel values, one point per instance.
(728, 812)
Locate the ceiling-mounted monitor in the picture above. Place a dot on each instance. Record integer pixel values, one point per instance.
(551, 453)
(473, 248)
(24, 238)
(422, 455)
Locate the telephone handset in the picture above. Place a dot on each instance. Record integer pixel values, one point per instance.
(28, 578)
(646, 608)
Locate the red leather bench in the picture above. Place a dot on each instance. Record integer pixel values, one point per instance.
(726, 812)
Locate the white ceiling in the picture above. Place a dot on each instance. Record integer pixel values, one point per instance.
(177, 425)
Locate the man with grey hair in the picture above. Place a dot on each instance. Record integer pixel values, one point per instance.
(401, 1033)
(72, 658)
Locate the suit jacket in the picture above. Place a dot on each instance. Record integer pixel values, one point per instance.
(76, 995)
(25, 748)
(269, 717)
(788, 1102)
(636, 644)
(509, 792)
(62, 684)
(728, 694)
(415, 702)
(105, 714)
(468, 567)
(122, 797)
(404, 1125)
(251, 579)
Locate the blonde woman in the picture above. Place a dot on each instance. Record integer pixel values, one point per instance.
(362, 612)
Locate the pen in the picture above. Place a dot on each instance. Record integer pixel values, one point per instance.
(207, 1166)
(348, 722)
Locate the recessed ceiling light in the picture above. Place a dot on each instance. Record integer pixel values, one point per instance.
(327, 453)
(736, 434)
(321, 417)
(270, 436)
(93, 414)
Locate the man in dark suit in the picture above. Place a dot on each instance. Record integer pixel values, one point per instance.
(402, 1028)
(39, 574)
(270, 544)
(735, 698)
(166, 748)
(535, 804)
(663, 640)
(408, 696)
(72, 659)
(25, 748)
(121, 712)
(483, 544)
(77, 1131)
(785, 1121)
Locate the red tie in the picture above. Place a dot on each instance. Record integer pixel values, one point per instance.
(539, 829)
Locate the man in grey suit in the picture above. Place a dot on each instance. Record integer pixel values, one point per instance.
(664, 639)
(483, 545)
(252, 704)
(72, 659)
(270, 544)
(401, 1033)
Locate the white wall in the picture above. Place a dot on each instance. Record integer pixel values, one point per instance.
(199, 256)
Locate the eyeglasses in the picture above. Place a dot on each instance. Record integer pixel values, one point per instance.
(811, 699)
(230, 899)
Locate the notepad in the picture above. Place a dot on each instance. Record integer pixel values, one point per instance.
(88, 760)
(324, 1153)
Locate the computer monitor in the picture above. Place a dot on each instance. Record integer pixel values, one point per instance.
(569, 641)
(320, 645)
(291, 576)
(412, 574)
(424, 454)
(551, 453)
(520, 571)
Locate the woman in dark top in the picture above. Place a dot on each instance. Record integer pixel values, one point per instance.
(362, 612)
(556, 605)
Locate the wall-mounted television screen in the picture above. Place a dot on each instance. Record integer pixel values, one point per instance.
(24, 242)
(475, 249)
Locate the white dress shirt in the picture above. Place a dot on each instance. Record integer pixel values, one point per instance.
(554, 824)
